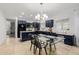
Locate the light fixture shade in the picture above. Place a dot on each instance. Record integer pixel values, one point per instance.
(45, 16)
(41, 17)
(37, 17)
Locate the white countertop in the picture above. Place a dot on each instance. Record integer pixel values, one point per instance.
(26, 31)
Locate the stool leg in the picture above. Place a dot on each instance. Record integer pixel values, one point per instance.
(40, 51)
(50, 47)
(55, 47)
(50, 50)
(45, 50)
(31, 46)
(34, 50)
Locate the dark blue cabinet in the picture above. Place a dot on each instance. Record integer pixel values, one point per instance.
(26, 36)
(49, 23)
(69, 40)
(36, 25)
(21, 27)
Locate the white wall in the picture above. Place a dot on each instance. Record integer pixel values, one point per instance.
(76, 28)
(8, 26)
(2, 28)
(73, 17)
(62, 26)
(66, 15)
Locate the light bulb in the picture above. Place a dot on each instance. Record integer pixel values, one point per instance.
(45, 16)
(37, 17)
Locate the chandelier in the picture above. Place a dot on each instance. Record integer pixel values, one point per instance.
(41, 15)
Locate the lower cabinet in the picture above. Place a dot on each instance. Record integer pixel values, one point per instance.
(69, 40)
(25, 36)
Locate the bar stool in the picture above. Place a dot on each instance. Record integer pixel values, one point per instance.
(38, 44)
(51, 42)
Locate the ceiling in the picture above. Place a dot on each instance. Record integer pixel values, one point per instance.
(11, 10)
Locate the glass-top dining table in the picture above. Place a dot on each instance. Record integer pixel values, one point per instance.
(49, 40)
